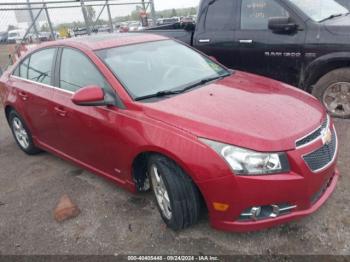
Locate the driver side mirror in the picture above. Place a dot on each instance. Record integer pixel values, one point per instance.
(91, 96)
(282, 25)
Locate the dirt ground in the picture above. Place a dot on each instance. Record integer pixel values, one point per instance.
(114, 221)
(4, 52)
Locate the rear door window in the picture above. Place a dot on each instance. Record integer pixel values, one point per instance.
(40, 66)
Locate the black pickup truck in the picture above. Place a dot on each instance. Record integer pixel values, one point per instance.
(305, 43)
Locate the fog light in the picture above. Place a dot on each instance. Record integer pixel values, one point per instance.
(264, 212)
(253, 213)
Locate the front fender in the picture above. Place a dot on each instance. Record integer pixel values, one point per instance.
(199, 161)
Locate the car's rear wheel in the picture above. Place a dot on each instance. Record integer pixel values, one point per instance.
(22, 134)
(333, 90)
(177, 197)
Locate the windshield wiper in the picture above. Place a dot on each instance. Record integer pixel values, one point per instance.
(176, 92)
(158, 94)
(331, 17)
(203, 82)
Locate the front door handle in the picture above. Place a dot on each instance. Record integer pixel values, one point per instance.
(60, 111)
(23, 95)
(246, 41)
(204, 40)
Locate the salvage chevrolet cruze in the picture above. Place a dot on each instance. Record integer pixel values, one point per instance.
(148, 112)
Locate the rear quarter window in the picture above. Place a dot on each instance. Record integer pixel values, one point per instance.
(23, 68)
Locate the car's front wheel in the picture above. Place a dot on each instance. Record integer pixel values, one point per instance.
(333, 90)
(177, 197)
(22, 134)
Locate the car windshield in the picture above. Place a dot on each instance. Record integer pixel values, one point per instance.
(319, 10)
(161, 66)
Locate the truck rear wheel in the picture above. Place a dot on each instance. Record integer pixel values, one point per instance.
(333, 90)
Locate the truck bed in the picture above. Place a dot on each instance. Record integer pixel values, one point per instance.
(182, 32)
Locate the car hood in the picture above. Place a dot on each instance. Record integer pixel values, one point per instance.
(244, 110)
(339, 25)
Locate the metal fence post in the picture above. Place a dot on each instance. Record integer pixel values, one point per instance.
(32, 18)
(109, 17)
(30, 27)
(86, 18)
(49, 22)
(153, 12)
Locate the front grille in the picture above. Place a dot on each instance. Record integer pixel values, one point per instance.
(322, 156)
(313, 136)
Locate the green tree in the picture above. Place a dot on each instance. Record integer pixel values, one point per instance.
(135, 15)
(45, 28)
(173, 12)
(193, 11)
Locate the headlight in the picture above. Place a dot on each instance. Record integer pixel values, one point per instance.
(247, 162)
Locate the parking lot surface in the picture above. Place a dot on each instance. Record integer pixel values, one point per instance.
(113, 221)
(4, 59)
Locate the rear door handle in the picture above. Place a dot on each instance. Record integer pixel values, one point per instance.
(204, 40)
(246, 41)
(60, 111)
(23, 95)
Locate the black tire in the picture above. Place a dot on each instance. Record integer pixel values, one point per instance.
(31, 149)
(341, 75)
(183, 194)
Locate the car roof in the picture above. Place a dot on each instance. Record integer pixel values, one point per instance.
(108, 40)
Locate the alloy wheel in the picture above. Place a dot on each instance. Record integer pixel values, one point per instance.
(337, 99)
(20, 133)
(160, 192)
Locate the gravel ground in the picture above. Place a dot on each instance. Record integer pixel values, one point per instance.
(114, 221)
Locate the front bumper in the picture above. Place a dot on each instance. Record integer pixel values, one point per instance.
(244, 192)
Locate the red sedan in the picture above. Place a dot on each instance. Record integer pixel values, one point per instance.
(148, 112)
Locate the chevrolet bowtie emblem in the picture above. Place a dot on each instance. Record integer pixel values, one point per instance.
(326, 136)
